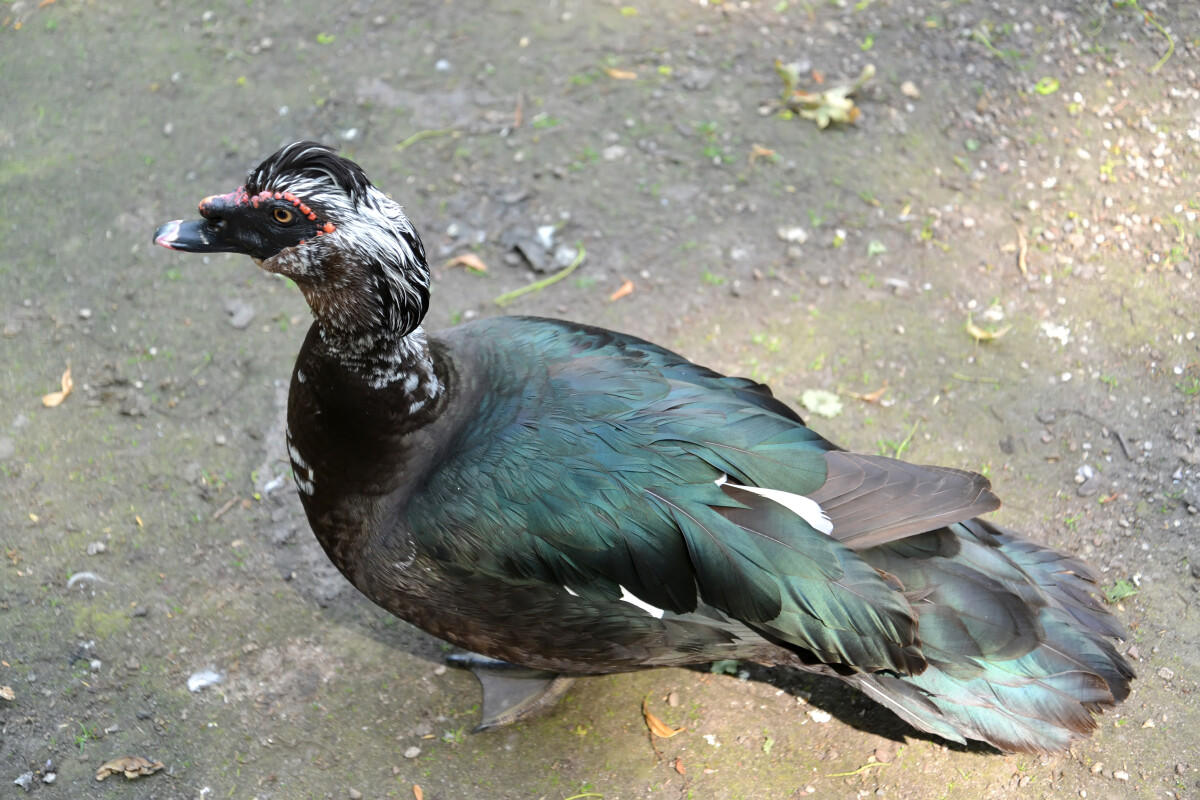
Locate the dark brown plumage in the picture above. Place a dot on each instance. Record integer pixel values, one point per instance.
(576, 500)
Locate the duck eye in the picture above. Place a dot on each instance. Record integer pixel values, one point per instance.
(284, 216)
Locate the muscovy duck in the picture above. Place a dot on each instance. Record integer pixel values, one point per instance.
(568, 500)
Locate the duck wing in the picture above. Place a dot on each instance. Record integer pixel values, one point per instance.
(607, 465)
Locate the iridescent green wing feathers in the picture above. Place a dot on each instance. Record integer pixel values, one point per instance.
(593, 463)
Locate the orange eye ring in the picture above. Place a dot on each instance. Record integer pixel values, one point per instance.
(284, 216)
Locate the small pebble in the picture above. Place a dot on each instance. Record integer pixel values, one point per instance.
(203, 679)
(1120, 775)
(85, 313)
(1097, 768)
(354, 794)
(95, 548)
(910, 90)
(241, 313)
(792, 234)
(1166, 673)
(220, 439)
(412, 752)
(673, 699)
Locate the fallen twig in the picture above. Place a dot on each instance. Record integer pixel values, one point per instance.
(1022, 252)
(220, 512)
(429, 134)
(1105, 429)
(907, 439)
(958, 376)
(1148, 17)
(858, 771)
(508, 297)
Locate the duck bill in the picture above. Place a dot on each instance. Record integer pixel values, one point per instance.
(194, 236)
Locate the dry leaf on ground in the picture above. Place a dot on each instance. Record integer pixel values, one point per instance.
(758, 151)
(832, 105)
(981, 335)
(1022, 264)
(620, 74)
(468, 260)
(131, 766)
(625, 290)
(7, 693)
(55, 398)
(870, 397)
(659, 728)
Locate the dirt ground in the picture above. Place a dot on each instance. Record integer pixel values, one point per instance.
(1026, 169)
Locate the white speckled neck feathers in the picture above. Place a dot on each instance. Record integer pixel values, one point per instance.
(388, 360)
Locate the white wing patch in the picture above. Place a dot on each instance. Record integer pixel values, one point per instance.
(808, 510)
(634, 600)
(306, 483)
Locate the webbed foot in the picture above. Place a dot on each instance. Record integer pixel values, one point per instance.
(511, 692)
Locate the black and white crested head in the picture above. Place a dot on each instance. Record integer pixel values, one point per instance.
(364, 271)
(310, 170)
(313, 216)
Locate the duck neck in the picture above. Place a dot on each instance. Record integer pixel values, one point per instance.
(392, 361)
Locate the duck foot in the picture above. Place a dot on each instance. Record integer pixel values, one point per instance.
(511, 692)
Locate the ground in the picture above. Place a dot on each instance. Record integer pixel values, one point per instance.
(1022, 172)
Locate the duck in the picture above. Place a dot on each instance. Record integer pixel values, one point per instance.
(560, 500)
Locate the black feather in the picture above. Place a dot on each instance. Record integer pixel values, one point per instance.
(313, 161)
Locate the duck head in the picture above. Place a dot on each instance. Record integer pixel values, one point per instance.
(313, 216)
